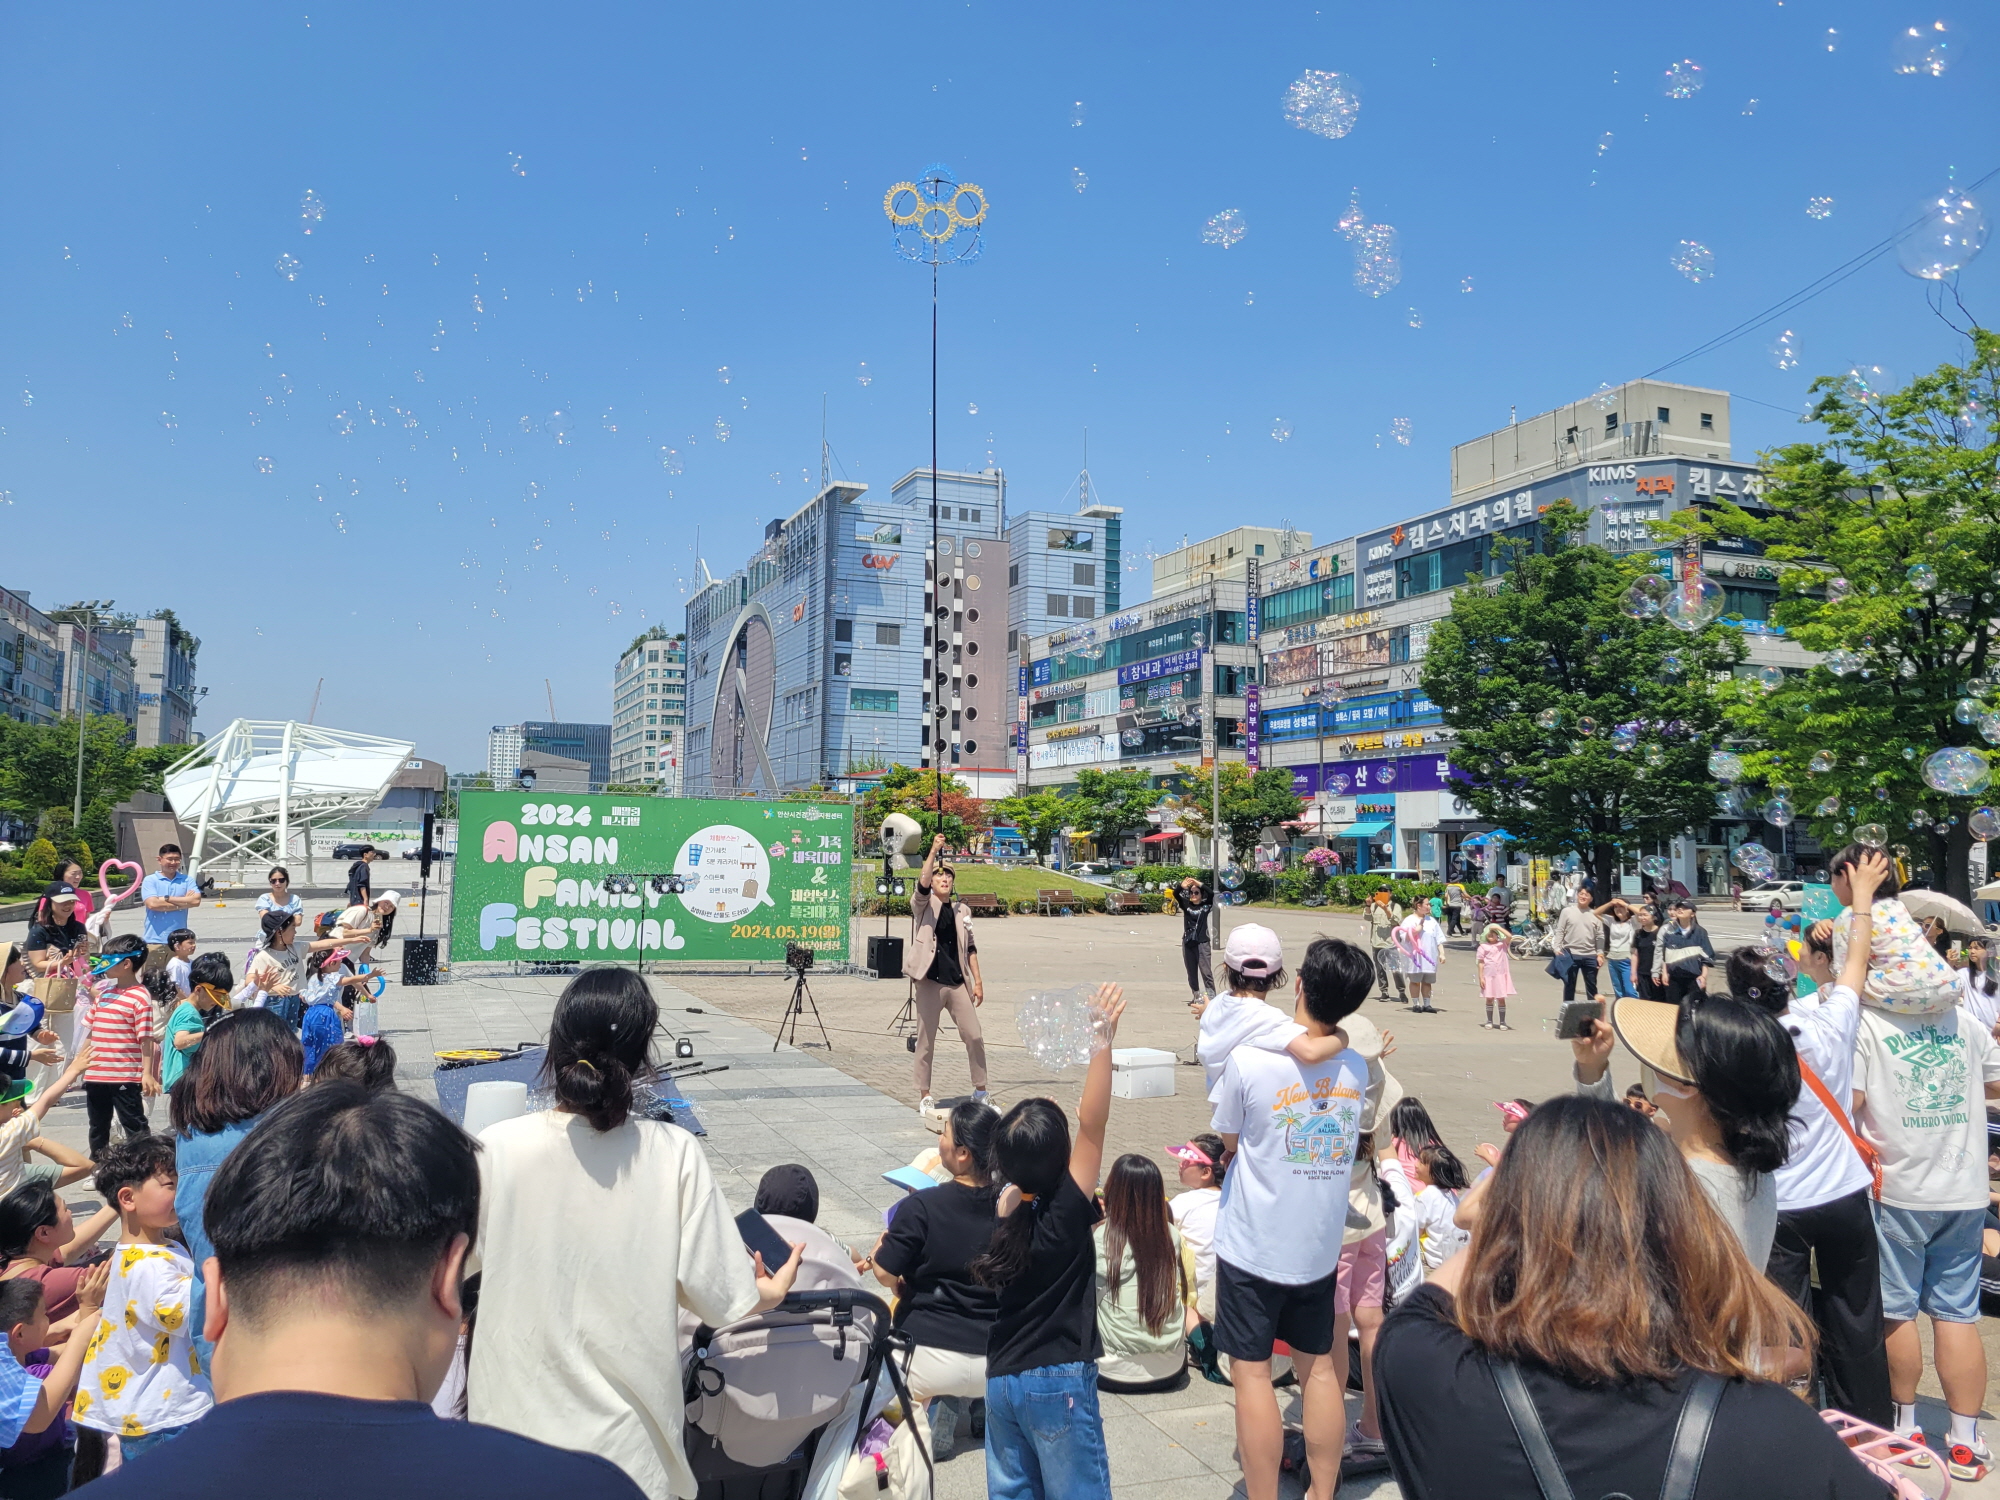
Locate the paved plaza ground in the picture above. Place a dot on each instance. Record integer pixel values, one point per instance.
(847, 1110)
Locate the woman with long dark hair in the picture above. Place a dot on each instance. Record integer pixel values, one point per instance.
(40, 1241)
(1145, 1281)
(1605, 1316)
(1725, 1076)
(595, 1229)
(925, 1257)
(248, 1061)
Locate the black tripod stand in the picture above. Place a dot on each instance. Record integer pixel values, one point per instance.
(799, 960)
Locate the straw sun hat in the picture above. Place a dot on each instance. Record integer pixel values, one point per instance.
(1646, 1027)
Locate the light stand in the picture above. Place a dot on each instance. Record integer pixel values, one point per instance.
(798, 960)
(663, 883)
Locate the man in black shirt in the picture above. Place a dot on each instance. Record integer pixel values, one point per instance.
(1195, 908)
(359, 882)
(943, 960)
(341, 1226)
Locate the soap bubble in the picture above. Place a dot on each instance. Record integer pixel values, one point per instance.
(1989, 726)
(1819, 208)
(1683, 80)
(1725, 765)
(1076, 113)
(1837, 589)
(1385, 774)
(1822, 762)
(1842, 662)
(862, 376)
(311, 211)
(1671, 663)
(1061, 1028)
(1950, 229)
(721, 430)
(1133, 738)
(1785, 350)
(1624, 737)
(1767, 677)
(1865, 382)
(1606, 399)
(1399, 428)
(341, 424)
(1956, 771)
(1644, 599)
(169, 421)
(557, 425)
(1586, 726)
(1693, 604)
(264, 465)
(1655, 866)
(1078, 178)
(1984, 823)
(1231, 877)
(722, 375)
(1394, 960)
(1225, 229)
(287, 266)
(1325, 103)
(1654, 755)
(1873, 835)
(670, 460)
(1923, 577)
(1281, 430)
(1548, 718)
(1780, 813)
(1829, 807)
(1693, 260)
(1967, 710)
(1377, 267)
(1754, 860)
(1925, 51)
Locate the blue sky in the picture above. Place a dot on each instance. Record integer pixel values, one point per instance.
(639, 197)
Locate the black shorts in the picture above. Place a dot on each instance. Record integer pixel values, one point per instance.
(1250, 1313)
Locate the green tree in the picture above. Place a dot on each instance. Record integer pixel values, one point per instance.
(39, 863)
(38, 764)
(1040, 816)
(916, 792)
(1111, 804)
(1248, 802)
(1622, 765)
(1891, 526)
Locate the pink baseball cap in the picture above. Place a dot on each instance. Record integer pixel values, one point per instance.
(1253, 950)
(1191, 1153)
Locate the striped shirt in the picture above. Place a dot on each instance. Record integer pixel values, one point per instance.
(116, 1025)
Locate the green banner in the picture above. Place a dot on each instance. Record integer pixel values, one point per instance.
(531, 873)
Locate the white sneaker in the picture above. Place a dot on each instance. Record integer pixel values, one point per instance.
(979, 1096)
(927, 1107)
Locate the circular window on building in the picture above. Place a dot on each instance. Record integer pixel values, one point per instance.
(972, 713)
(972, 648)
(972, 679)
(970, 746)
(972, 580)
(972, 615)
(972, 549)
(944, 546)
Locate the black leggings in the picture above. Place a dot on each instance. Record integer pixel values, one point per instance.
(1838, 1239)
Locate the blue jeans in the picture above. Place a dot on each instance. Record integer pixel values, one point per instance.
(1621, 978)
(130, 1448)
(1044, 1437)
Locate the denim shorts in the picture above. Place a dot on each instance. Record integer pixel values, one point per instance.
(1930, 1262)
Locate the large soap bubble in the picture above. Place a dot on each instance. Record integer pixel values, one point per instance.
(1780, 813)
(1693, 260)
(1984, 823)
(1822, 762)
(1956, 771)
(1645, 598)
(1231, 877)
(1926, 51)
(1225, 229)
(1061, 1028)
(1871, 835)
(1327, 104)
(1654, 866)
(1683, 80)
(1754, 860)
(1549, 718)
(1725, 765)
(1949, 229)
(1694, 603)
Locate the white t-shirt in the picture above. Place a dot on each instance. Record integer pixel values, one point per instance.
(1925, 1080)
(1233, 1021)
(14, 1137)
(1823, 1164)
(1427, 1228)
(1284, 1202)
(178, 972)
(1982, 1004)
(1195, 1211)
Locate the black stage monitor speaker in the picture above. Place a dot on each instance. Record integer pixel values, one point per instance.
(885, 957)
(420, 960)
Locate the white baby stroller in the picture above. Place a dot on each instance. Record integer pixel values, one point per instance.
(777, 1404)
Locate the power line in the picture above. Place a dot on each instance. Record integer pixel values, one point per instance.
(1805, 294)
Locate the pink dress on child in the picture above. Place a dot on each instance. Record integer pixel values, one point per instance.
(1496, 977)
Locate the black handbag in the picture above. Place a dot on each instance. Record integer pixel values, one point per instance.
(1683, 1458)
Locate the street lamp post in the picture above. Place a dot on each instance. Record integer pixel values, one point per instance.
(83, 705)
(929, 215)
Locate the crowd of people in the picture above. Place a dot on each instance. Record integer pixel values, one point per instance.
(1629, 1287)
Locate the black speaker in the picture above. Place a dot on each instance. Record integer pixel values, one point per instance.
(885, 957)
(420, 960)
(424, 853)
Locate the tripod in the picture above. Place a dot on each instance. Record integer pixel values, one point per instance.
(802, 996)
(905, 1020)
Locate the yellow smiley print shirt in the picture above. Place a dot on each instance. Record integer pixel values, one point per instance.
(140, 1371)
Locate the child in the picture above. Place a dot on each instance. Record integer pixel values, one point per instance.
(122, 1045)
(367, 1060)
(1294, 1127)
(1496, 976)
(180, 945)
(1201, 1174)
(1424, 942)
(1145, 1281)
(37, 1461)
(141, 1379)
(1253, 963)
(1425, 1228)
(1981, 999)
(1041, 1352)
(21, 1131)
(190, 1020)
(320, 1030)
(1907, 976)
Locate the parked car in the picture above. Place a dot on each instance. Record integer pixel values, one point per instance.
(350, 851)
(439, 852)
(1789, 894)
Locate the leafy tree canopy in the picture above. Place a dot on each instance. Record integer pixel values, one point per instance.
(1245, 803)
(1039, 816)
(38, 766)
(1111, 804)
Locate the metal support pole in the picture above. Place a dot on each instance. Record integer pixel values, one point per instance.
(82, 715)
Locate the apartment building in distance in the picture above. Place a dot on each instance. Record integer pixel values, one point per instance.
(649, 712)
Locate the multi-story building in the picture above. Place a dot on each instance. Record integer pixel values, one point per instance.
(139, 670)
(163, 665)
(807, 664)
(649, 712)
(31, 662)
(587, 744)
(1230, 555)
(1063, 566)
(1344, 629)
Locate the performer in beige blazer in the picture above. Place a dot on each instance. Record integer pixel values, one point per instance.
(943, 959)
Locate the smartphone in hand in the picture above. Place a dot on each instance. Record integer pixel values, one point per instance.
(758, 1236)
(1576, 1016)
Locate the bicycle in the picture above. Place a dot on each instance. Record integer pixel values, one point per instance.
(1534, 943)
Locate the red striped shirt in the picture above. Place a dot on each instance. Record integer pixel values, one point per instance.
(116, 1025)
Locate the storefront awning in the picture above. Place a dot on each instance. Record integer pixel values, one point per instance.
(1161, 838)
(1357, 830)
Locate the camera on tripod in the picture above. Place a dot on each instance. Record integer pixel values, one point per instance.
(798, 959)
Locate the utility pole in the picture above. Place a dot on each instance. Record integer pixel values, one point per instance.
(82, 707)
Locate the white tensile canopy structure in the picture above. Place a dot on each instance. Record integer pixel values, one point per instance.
(246, 789)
